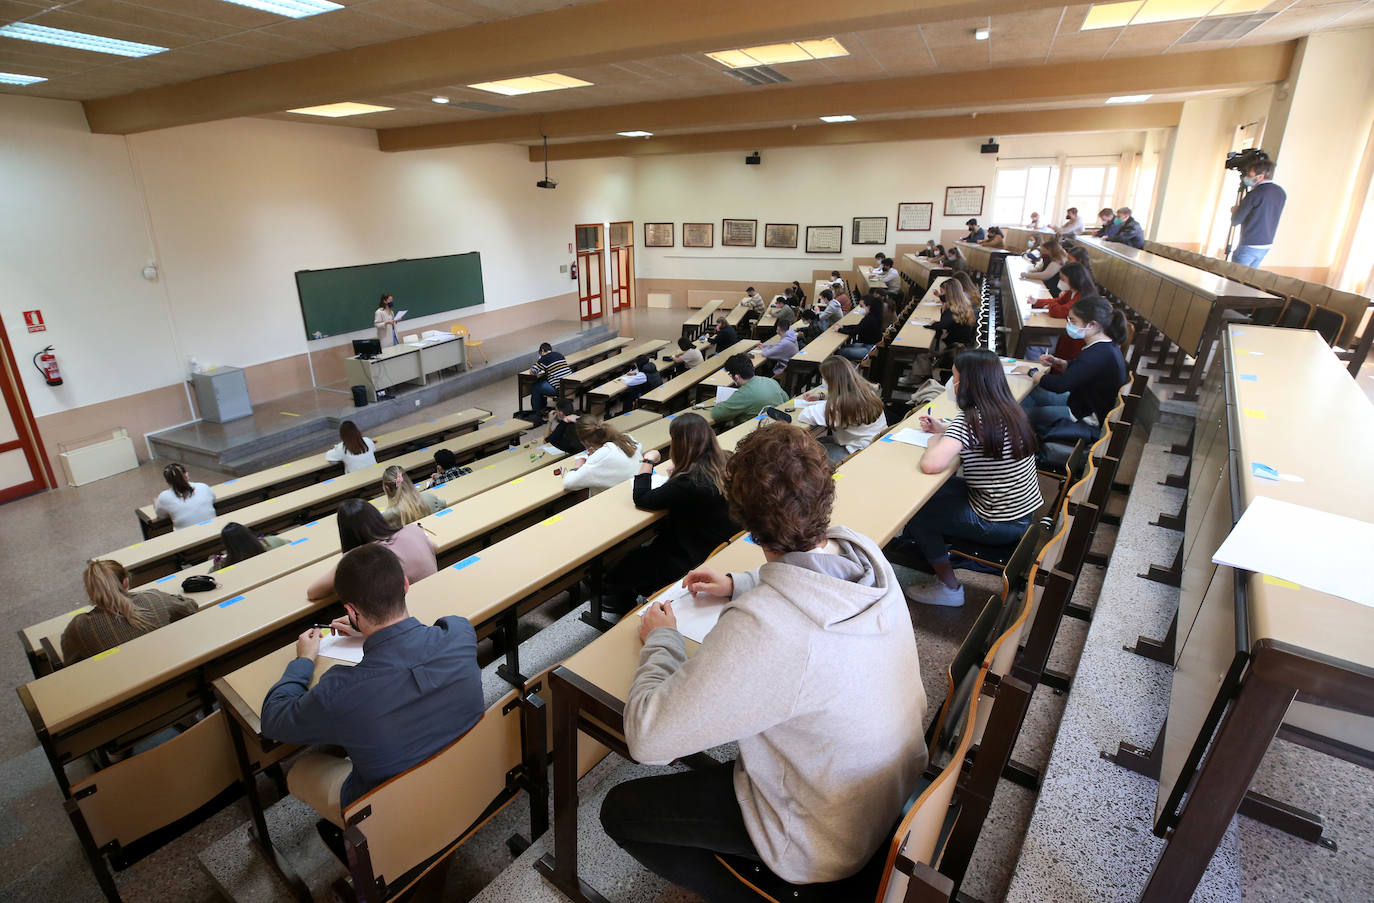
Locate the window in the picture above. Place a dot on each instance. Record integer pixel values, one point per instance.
(1091, 188)
(1023, 190)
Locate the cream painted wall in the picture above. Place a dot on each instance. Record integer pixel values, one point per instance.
(233, 210)
(1193, 170)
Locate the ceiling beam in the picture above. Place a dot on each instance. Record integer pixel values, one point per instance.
(591, 34)
(1029, 122)
(1157, 74)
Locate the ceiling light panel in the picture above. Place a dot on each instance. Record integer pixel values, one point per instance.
(531, 84)
(1172, 10)
(1111, 15)
(14, 78)
(337, 110)
(42, 34)
(1145, 12)
(769, 54)
(292, 9)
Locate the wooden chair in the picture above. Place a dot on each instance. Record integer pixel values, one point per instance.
(469, 342)
(1330, 324)
(401, 830)
(1295, 314)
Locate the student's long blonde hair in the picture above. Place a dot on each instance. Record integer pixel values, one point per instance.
(402, 496)
(850, 400)
(105, 582)
(594, 433)
(958, 304)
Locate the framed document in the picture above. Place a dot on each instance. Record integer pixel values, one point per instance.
(824, 239)
(780, 235)
(698, 235)
(658, 235)
(914, 217)
(869, 230)
(964, 200)
(739, 233)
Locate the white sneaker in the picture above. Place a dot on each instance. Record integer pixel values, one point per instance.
(936, 594)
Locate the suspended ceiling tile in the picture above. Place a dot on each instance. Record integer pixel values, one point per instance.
(1032, 23)
(343, 29)
(956, 33)
(108, 28)
(420, 14)
(1022, 50)
(1143, 40)
(28, 59)
(14, 10)
(147, 17)
(1083, 45)
(214, 11)
(1074, 16)
(1298, 22)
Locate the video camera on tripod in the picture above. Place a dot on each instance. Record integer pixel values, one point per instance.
(1242, 161)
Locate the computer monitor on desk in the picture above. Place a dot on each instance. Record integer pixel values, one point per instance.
(366, 349)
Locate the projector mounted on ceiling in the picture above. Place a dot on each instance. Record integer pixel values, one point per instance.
(991, 147)
(546, 182)
(753, 159)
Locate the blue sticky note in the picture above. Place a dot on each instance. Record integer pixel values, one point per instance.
(204, 522)
(165, 579)
(328, 481)
(1263, 471)
(234, 480)
(886, 439)
(443, 512)
(312, 523)
(471, 559)
(296, 542)
(1238, 332)
(227, 602)
(1249, 378)
(749, 538)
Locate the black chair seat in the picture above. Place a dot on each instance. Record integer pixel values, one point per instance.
(994, 558)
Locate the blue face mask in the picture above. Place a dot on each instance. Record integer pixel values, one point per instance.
(1116, 220)
(1075, 331)
(1247, 182)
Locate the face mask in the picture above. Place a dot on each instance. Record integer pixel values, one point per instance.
(1247, 182)
(1116, 220)
(1074, 331)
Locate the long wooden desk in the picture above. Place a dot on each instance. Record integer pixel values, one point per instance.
(921, 271)
(737, 315)
(696, 324)
(807, 361)
(722, 380)
(1026, 324)
(912, 340)
(524, 380)
(576, 384)
(1258, 657)
(667, 395)
(1185, 304)
(169, 552)
(877, 492)
(240, 492)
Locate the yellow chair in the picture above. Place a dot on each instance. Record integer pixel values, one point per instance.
(469, 341)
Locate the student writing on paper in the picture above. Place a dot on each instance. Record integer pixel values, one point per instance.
(416, 690)
(118, 615)
(643, 378)
(725, 335)
(777, 354)
(361, 524)
(688, 356)
(1072, 405)
(405, 503)
(847, 406)
(957, 327)
(867, 332)
(1080, 280)
(808, 668)
(999, 492)
(354, 450)
(752, 393)
(696, 520)
(612, 457)
(184, 503)
(241, 544)
(446, 469)
(549, 370)
(562, 433)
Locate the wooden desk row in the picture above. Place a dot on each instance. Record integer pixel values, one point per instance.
(524, 380)
(577, 384)
(697, 323)
(1026, 326)
(240, 492)
(673, 393)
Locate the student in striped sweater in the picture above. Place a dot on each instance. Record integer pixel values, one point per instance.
(550, 368)
(998, 494)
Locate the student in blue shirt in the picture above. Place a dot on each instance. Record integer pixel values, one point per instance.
(417, 689)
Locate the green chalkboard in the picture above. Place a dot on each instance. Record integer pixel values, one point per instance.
(343, 299)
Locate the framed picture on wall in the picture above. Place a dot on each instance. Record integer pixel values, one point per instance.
(658, 235)
(964, 200)
(739, 233)
(869, 230)
(824, 239)
(698, 235)
(914, 216)
(780, 235)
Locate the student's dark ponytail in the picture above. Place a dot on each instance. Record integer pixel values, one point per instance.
(1096, 309)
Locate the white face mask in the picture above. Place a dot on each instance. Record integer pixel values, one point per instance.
(1074, 330)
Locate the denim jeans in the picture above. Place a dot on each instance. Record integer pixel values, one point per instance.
(1045, 409)
(674, 824)
(948, 513)
(537, 393)
(856, 351)
(1248, 255)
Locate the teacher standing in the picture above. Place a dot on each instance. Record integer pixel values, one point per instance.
(385, 321)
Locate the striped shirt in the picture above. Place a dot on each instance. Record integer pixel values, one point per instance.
(999, 489)
(553, 367)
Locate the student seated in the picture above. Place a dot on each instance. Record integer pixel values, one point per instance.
(931, 249)
(975, 232)
(780, 352)
(406, 504)
(1073, 404)
(995, 241)
(954, 259)
(446, 469)
(118, 615)
(1126, 229)
(185, 503)
(562, 433)
(958, 323)
(612, 457)
(847, 405)
(688, 356)
(867, 332)
(753, 300)
(828, 309)
(752, 393)
(1105, 218)
(1080, 283)
(1052, 260)
(725, 335)
(416, 690)
(241, 544)
(810, 668)
(998, 494)
(361, 524)
(836, 280)
(354, 450)
(643, 378)
(798, 295)
(549, 370)
(697, 517)
(889, 277)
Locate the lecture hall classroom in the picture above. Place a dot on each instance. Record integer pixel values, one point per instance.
(235, 229)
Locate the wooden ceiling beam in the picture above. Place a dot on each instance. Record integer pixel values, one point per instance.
(1158, 74)
(1029, 122)
(592, 34)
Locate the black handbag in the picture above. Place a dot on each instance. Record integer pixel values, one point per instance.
(198, 583)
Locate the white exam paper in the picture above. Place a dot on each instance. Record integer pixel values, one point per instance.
(1316, 549)
(343, 648)
(696, 615)
(913, 437)
(723, 392)
(400, 315)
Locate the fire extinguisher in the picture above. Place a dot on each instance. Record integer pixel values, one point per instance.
(46, 362)
(573, 271)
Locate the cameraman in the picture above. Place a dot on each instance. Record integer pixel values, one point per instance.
(1257, 214)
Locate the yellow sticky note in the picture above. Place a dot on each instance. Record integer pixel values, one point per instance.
(517, 480)
(837, 476)
(1275, 581)
(77, 611)
(1255, 413)
(229, 568)
(106, 654)
(136, 545)
(551, 520)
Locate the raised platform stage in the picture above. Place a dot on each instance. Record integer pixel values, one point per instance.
(293, 426)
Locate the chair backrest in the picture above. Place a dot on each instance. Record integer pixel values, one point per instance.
(943, 735)
(1328, 323)
(1295, 314)
(404, 826)
(1353, 308)
(459, 330)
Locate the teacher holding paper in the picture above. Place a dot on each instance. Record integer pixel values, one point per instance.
(385, 321)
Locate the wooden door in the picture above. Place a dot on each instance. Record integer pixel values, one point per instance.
(589, 285)
(622, 278)
(23, 468)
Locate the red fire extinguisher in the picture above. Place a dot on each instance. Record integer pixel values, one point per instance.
(572, 270)
(46, 362)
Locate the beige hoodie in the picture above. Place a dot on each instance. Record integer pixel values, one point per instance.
(813, 669)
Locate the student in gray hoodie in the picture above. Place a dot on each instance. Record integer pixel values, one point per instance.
(812, 667)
